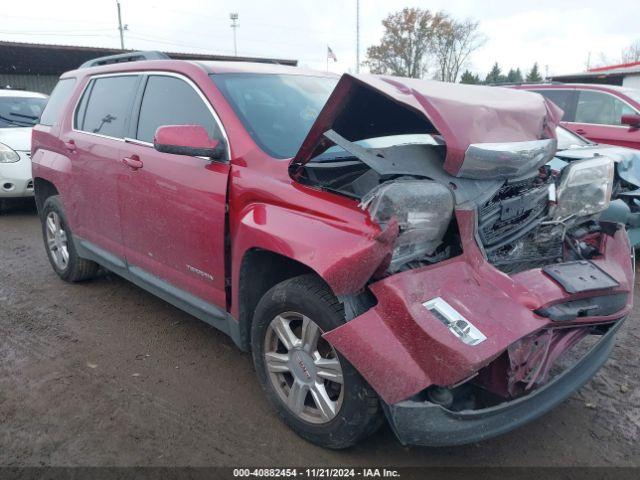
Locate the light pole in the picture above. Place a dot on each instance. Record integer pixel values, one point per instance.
(120, 26)
(234, 25)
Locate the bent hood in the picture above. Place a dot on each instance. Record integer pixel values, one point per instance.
(367, 106)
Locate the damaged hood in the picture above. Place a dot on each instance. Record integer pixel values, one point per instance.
(474, 121)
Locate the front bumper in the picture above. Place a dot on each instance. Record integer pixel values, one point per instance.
(428, 424)
(15, 178)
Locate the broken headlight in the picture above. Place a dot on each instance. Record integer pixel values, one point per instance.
(423, 210)
(585, 188)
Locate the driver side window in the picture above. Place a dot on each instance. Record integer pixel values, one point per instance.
(172, 101)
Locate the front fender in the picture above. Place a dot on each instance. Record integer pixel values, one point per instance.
(342, 254)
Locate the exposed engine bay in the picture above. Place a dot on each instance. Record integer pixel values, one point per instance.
(521, 222)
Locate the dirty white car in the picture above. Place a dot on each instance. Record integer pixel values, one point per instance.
(19, 111)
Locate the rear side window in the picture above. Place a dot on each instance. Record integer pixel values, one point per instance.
(561, 98)
(105, 107)
(172, 101)
(59, 98)
(600, 108)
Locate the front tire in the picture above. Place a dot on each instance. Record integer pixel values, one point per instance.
(58, 242)
(315, 390)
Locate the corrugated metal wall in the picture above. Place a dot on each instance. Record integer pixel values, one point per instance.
(33, 83)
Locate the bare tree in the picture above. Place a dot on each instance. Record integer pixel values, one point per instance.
(406, 44)
(454, 41)
(631, 53)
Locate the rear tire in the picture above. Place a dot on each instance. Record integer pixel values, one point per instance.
(336, 407)
(58, 242)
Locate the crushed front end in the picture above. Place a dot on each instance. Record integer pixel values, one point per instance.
(502, 267)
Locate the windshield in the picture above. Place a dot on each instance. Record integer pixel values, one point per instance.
(20, 111)
(277, 110)
(567, 139)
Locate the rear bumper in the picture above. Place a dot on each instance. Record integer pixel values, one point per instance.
(428, 424)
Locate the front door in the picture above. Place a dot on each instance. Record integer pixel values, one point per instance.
(173, 206)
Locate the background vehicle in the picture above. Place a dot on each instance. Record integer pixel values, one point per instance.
(19, 111)
(412, 279)
(602, 113)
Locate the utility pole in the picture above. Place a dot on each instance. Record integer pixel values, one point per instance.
(357, 36)
(234, 25)
(120, 26)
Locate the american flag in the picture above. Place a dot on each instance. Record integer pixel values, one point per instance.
(330, 54)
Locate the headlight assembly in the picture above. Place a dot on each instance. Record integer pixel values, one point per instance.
(7, 154)
(423, 210)
(585, 188)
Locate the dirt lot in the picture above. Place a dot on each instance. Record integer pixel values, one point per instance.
(103, 373)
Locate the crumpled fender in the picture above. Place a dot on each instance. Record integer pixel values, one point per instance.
(345, 255)
(400, 348)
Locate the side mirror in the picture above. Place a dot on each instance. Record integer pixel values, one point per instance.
(631, 120)
(192, 140)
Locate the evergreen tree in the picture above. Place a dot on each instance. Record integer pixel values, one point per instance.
(495, 75)
(534, 75)
(470, 78)
(514, 76)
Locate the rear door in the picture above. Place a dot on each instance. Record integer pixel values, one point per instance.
(100, 121)
(598, 115)
(173, 206)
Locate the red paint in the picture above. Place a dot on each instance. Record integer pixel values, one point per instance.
(623, 135)
(462, 114)
(191, 221)
(191, 136)
(401, 348)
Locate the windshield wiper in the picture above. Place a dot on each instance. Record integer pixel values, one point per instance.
(17, 123)
(32, 117)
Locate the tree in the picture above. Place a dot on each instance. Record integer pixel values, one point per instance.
(534, 75)
(631, 53)
(495, 75)
(470, 78)
(514, 76)
(453, 42)
(406, 44)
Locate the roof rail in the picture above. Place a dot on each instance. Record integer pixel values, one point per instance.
(125, 57)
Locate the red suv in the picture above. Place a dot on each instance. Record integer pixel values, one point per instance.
(601, 113)
(383, 246)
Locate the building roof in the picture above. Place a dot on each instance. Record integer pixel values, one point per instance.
(607, 74)
(45, 59)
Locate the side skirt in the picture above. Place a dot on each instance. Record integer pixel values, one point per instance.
(205, 311)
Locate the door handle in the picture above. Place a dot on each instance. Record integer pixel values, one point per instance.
(580, 131)
(70, 146)
(133, 162)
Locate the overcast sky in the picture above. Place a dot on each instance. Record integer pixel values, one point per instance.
(557, 34)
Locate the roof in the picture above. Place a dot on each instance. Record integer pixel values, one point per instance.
(46, 59)
(20, 93)
(601, 74)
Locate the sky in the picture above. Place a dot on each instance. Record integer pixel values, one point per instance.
(559, 35)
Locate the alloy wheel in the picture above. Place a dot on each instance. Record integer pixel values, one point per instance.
(57, 240)
(303, 368)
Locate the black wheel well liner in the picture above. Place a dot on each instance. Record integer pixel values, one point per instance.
(260, 270)
(43, 189)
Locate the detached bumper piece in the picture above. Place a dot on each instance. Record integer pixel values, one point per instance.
(428, 424)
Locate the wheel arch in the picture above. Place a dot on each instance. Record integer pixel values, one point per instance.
(43, 189)
(260, 270)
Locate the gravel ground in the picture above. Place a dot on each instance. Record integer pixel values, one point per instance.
(103, 373)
